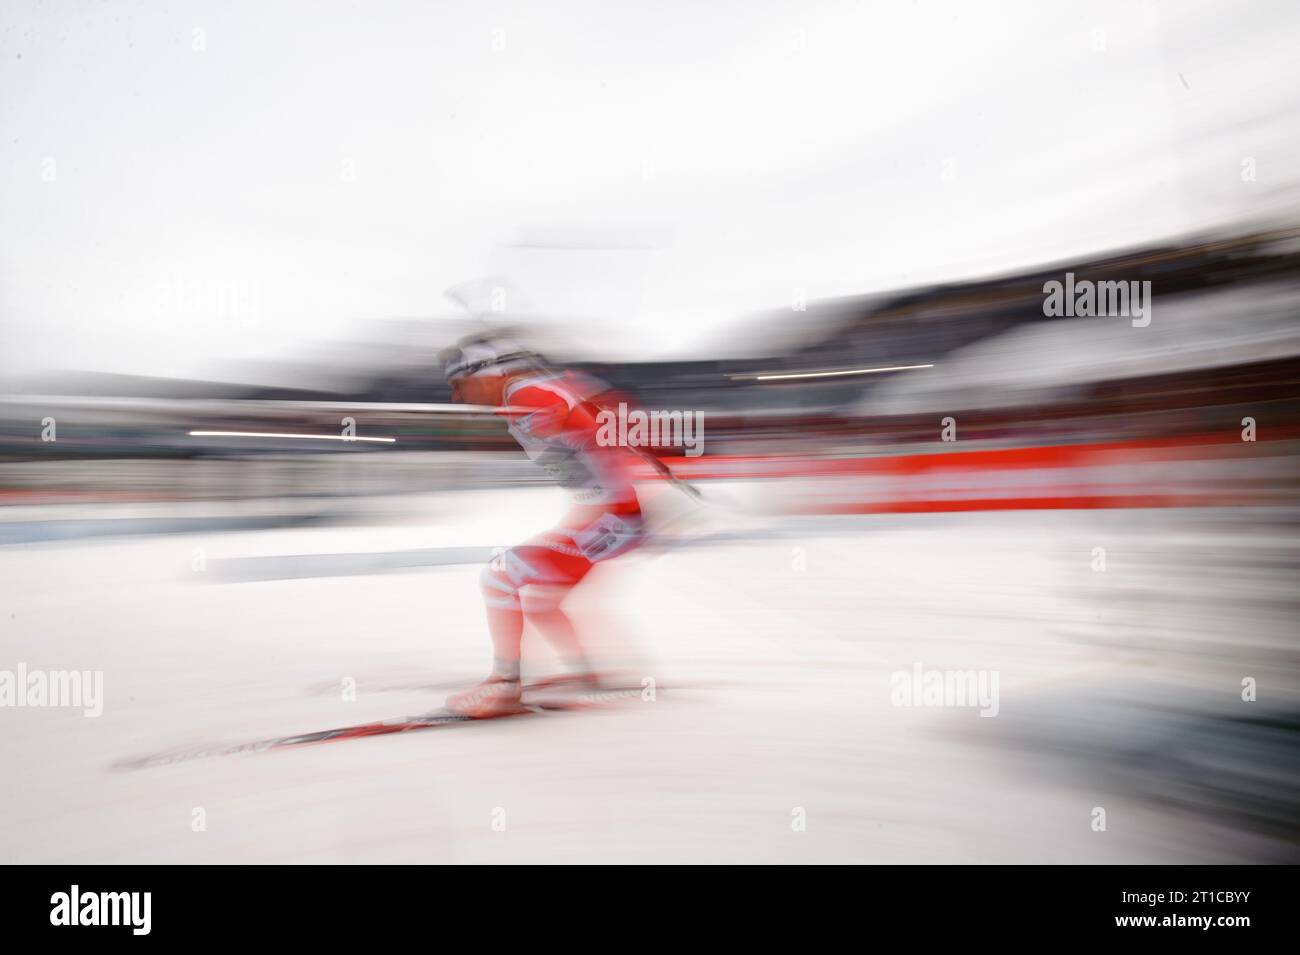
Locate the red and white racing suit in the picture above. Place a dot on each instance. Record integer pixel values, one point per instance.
(556, 424)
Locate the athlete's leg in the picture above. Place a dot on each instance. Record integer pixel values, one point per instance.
(533, 580)
(589, 535)
(560, 633)
(544, 574)
(505, 616)
(562, 567)
(498, 695)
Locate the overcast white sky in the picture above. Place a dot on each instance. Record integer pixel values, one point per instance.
(171, 197)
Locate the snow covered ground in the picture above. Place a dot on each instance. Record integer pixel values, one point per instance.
(772, 736)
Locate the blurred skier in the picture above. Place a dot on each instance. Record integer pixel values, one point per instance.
(553, 416)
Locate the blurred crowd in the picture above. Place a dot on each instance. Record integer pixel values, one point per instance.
(955, 368)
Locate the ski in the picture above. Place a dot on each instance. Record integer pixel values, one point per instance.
(403, 724)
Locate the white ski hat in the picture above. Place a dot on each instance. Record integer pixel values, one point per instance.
(479, 354)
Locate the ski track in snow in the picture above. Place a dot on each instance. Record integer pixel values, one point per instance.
(774, 656)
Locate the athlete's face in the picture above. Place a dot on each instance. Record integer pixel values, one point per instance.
(479, 390)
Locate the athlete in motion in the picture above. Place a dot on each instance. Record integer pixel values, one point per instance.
(553, 416)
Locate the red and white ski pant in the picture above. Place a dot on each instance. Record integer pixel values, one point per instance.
(536, 576)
